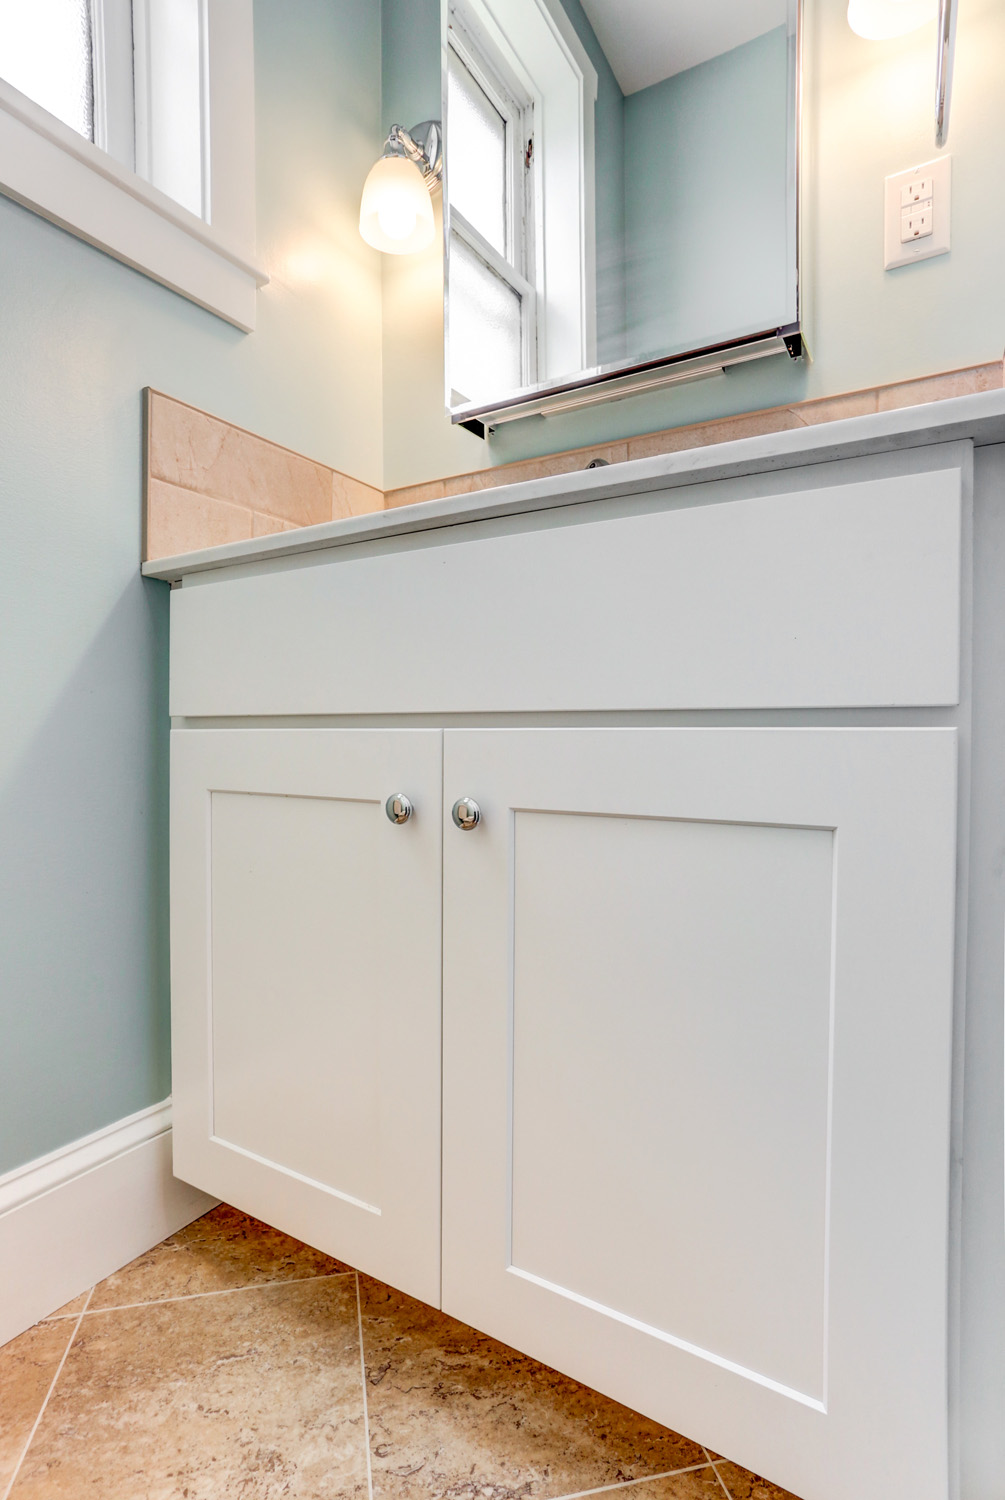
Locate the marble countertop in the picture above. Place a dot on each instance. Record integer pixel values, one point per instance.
(980, 417)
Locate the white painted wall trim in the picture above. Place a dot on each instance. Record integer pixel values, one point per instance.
(48, 167)
(73, 1217)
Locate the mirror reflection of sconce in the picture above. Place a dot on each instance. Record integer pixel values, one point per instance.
(876, 20)
(395, 213)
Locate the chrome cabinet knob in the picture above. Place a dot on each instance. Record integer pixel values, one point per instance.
(398, 807)
(466, 814)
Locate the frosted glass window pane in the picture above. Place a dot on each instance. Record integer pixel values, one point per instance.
(476, 155)
(486, 333)
(45, 51)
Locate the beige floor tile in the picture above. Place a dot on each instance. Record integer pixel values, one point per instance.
(69, 1309)
(693, 1484)
(258, 1395)
(742, 1485)
(27, 1365)
(223, 1250)
(453, 1413)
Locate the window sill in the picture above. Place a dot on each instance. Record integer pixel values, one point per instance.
(52, 170)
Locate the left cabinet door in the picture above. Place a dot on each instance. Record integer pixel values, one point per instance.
(305, 981)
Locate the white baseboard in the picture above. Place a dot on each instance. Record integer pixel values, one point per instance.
(71, 1218)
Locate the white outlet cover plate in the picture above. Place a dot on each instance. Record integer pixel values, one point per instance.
(937, 243)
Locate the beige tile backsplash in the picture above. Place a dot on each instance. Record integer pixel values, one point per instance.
(209, 482)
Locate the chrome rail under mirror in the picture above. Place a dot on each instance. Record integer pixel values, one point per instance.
(620, 202)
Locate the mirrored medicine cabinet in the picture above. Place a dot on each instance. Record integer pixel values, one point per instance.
(620, 196)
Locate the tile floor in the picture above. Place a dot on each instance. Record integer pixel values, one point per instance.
(234, 1363)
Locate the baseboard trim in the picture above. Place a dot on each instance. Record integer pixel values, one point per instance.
(73, 1217)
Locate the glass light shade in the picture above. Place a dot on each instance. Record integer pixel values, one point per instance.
(878, 19)
(395, 214)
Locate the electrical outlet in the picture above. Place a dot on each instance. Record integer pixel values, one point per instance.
(915, 191)
(916, 223)
(917, 217)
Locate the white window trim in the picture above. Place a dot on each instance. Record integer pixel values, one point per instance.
(52, 170)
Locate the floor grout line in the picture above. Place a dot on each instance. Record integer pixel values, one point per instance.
(223, 1291)
(715, 1471)
(627, 1484)
(366, 1409)
(48, 1396)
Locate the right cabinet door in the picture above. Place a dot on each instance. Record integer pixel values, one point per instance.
(697, 1039)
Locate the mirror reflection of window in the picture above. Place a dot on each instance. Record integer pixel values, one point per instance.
(657, 215)
(478, 177)
(490, 128)
(520, 90)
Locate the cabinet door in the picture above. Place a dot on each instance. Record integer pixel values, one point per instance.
(305, 956)
(697, 1016)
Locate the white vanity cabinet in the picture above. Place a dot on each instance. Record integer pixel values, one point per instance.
(647, 1073)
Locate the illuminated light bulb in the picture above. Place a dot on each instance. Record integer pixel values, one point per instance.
(395, 214)
(877, 20)
(397, 219)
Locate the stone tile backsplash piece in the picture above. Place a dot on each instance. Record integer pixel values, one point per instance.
(209, 483)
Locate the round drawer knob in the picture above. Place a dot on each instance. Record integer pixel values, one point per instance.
(398, 808)
(466, 814)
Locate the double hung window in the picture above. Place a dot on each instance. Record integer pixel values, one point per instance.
(519, 138)
(490, 172)
(130, 123)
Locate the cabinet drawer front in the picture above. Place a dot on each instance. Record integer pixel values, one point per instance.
(697, 1034)
(844, 595)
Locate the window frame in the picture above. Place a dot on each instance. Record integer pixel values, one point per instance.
(52, 170)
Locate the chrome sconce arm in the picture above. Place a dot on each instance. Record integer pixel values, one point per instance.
(423, 145)
(876, 20)
(946, 45)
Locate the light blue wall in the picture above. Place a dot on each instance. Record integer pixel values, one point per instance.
(83, 641)
(706, 168)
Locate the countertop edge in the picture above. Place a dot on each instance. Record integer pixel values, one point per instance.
(980, 416)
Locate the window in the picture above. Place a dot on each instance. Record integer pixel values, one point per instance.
(520, 92)
(490, 134)
(130, 123)
(46, 52)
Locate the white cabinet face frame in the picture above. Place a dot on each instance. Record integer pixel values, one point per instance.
(697, 1041)
(305, 958)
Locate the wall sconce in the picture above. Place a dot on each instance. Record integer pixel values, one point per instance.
(876, 20)
(395, 213)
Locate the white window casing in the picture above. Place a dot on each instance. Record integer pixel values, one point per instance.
(199, 146)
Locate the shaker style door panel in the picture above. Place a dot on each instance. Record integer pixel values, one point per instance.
(697, 1007)
(306, 987)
